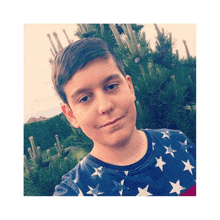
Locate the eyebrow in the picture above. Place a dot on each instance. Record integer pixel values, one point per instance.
(113, 76)
(84, 90)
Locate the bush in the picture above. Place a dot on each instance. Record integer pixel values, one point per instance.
(44, 132)
(46, 178)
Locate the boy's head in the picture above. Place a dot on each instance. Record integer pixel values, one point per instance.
(75, 57)
(98, 96)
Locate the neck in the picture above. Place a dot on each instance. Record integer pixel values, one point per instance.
(124, 153)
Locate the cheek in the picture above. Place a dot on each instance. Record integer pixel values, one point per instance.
(127, 101)
(132, 108)
(84, 118)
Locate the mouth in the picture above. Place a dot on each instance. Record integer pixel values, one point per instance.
(112, 122)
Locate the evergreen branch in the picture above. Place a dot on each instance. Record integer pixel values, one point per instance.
(52, 52)
(60, 150)
(143, 73)
(84, 28)
(52, 44)
(60, 47)
(116, 35)
(174, 84)
(29, 173)
(187, 50)
(33, 147)
(80, 29)
(124, 29)
(129, 45)
(36, 154)
(49, 155)
(144, 35)
(51, 61)
(139, 50)
(177, 54)
(139, 108)
(170, 35)
(130, 32)
(68, 40)
(30, 153)
(150, 68)
(26, 163)
(157, 29)
(132, 36)
(102, 30)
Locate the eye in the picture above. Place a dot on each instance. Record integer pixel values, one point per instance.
(84, 99)
(111, 87)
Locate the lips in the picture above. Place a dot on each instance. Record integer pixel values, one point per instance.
(112, 122)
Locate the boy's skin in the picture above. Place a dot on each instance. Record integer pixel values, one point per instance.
(105, 111)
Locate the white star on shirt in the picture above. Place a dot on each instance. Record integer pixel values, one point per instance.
(82, 161)
(94, 191)
(80, 192)
(121, 191)
(160, 163)
(153, 145)
(126, 173)
(119, 186)
(184, 145)
(165, 134)
(144, 192)
(97, 172)
(176, 187)
(75, 180)
(188, 166)
(170, 150)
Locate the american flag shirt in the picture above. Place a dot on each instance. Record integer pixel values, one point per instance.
(167, 169)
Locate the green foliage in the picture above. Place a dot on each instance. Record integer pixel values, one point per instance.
(44, 132)
(79, 139)
(103, 31)
(163, 54)
(36, 154)
(44, 179)
(43, 171)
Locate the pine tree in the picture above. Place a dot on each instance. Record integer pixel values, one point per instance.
(44, 170)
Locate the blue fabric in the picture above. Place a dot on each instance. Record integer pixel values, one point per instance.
(167, 169)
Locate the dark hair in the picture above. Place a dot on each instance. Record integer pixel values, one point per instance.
(75, 56)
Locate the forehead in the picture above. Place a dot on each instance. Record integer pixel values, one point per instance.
(99, 64)
(95, 72)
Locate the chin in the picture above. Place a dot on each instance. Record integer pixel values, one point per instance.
(120, 137)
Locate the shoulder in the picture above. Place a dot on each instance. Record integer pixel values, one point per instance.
(173, 138)
(165, 134)
(70, 182)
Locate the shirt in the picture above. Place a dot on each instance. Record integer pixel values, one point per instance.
(167, 169)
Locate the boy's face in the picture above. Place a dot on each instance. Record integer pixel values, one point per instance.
(101, 102)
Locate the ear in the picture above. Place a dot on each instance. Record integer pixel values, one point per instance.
(69, 115)
(130, 85)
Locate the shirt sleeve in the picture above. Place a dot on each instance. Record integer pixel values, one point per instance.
(64, 190)
(191, 147)
(192, 150)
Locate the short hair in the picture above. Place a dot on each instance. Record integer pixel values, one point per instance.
(75, 56)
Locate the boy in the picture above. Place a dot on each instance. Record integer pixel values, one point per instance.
(98, 97)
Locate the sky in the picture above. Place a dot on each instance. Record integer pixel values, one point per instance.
(40, 98)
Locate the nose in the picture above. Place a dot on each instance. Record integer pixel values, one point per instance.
(105, 104)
